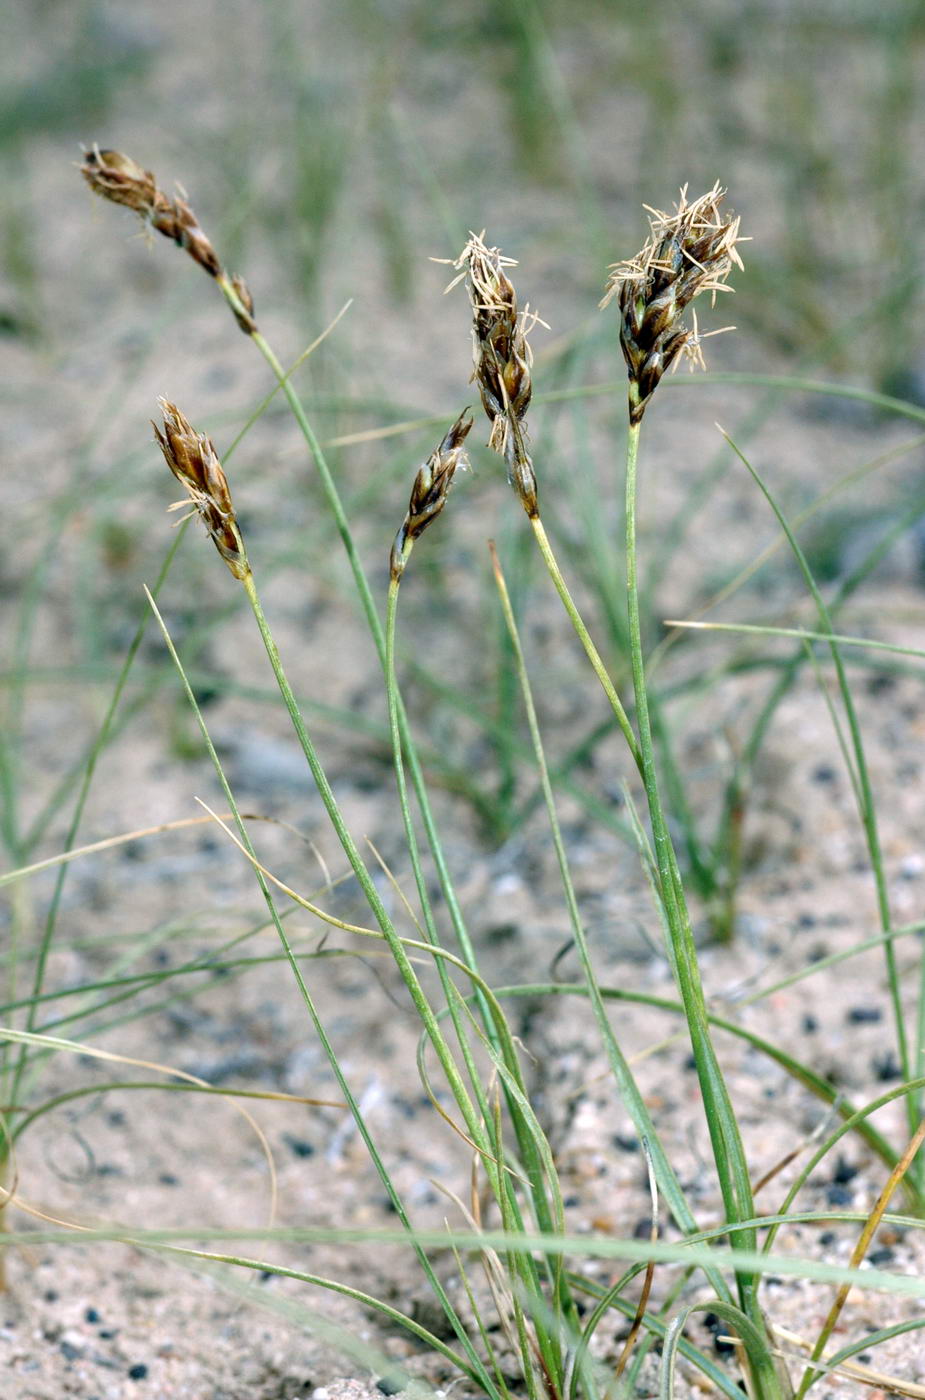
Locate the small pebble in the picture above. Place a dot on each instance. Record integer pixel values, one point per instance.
(886, 1067)
(864, 1015)
(389, 1385)
(719, 1331)
(824, 773)
(138, 1372)
(298, 1146)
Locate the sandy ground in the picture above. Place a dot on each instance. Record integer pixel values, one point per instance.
(107, 1321)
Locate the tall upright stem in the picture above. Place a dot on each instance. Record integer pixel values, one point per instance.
(377, 632)
(357, 864)
(721, 1121)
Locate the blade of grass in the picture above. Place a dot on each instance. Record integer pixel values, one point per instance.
(353, 1105)
(667, 1180)
(867, 807)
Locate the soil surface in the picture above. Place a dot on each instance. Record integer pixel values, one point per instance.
(119, 321)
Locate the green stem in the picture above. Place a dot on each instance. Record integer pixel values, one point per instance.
(667, 1180)
(867, 809)
(591, 651)
(355, 1110)
(99, 744)
(521, 1266)
(374, 623)
(358, 866)
(723, 1127)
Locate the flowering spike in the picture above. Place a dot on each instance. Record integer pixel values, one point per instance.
(502, 357)
(193, 460)
(121, 180)
(430, 490)
(688, 252)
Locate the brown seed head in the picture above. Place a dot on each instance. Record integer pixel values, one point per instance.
(123, 181)
(192, 458)
(244, 310)
(502, 357)
(688, 252)
(430, 490)
(175, 219)
(120, 179)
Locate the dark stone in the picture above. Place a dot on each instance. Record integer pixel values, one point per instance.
(824, 773)
(719, 1330)
(298, 1146)
(500, 933)
(886, 1067)
(91, 1315)
(390, 1385)
(138, 1372)
(864, 1015)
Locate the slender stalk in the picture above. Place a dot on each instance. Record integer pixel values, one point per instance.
(358, 866)
(871, 1225)
(547, 1221)
(99, 744)
(354, 1107)
(374, 623)
(415, 855)
(867, 811)
(721, 1121)
(620, 1069)
(591, 651)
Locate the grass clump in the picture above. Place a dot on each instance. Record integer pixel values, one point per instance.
(534, 1303)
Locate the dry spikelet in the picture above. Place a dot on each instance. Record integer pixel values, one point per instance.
(121, 180)
(193, 460)
(502, 357)
(688, 252)
(430, 490)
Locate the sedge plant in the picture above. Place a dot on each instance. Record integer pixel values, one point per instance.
(515, 1212)
(689, 252)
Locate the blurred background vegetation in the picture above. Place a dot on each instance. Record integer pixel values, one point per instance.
(330, 149)
(324, 130)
